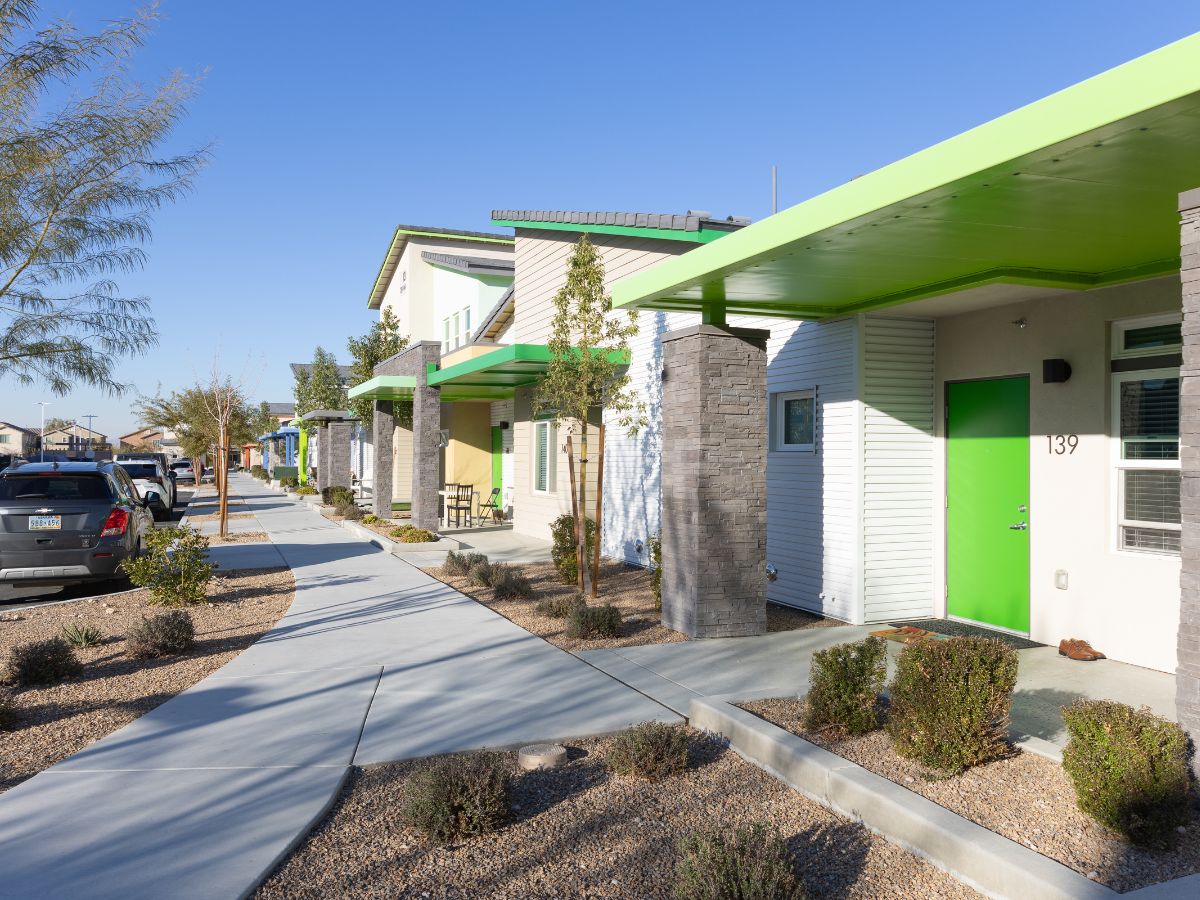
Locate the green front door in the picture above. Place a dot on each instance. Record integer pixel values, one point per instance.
(987, 502)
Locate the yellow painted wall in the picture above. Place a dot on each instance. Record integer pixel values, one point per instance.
(462, 354)
(469, 453)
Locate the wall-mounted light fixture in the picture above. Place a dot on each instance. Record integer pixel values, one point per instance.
(1055, 371)
(504, 426)
(1021, 322)
(772, 572)
(639, 547)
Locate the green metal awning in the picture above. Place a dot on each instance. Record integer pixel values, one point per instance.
(384, 387)
(1077, 190)
(497, 375)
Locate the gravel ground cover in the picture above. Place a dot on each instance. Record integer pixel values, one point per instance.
(243, 537)
(579, 832)
(1027, 798)
(115, 689)
(626, 587)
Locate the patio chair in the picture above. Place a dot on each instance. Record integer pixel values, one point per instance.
(491, 506)
(460, 503)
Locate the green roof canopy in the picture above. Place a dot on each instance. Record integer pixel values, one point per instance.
(1077, 190)
(384, 387)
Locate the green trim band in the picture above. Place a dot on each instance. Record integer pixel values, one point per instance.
(704, 236)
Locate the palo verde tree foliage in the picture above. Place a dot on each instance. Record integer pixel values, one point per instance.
(79, 177)
(383, 341)
(585, 376)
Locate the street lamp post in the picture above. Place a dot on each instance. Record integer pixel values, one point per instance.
(89, 417)
(42, 432)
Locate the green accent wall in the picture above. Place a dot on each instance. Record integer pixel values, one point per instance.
(987, 492)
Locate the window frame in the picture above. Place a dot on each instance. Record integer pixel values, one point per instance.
(779, 420)
(551, 437)
(1122, 327)
(1119, 466)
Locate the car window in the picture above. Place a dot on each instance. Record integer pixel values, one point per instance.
(54, 487)
(140, 470)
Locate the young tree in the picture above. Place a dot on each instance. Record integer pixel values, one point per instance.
(382, 342)
(586, 375)
(320, 387)
(79, 177)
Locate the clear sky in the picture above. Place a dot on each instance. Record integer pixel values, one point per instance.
(333, 122)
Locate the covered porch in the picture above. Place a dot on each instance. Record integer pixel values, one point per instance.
(1018, 422)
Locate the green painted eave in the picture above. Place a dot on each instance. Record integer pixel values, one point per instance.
(384, 387)
(400, 237)
(1077, 190)
(498, 374)
(703, 236)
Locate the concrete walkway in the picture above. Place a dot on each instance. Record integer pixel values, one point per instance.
(777, 665)
(374, 661)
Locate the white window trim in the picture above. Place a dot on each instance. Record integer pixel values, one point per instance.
(551, 458)
(1119, 465)
(777, 420)
(1124, 325)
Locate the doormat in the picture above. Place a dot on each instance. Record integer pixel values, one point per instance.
(907, 634)
(954, 629)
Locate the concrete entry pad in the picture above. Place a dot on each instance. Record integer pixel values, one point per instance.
(231, 557)
(192, 834)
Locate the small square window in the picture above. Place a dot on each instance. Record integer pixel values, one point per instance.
(795, 414)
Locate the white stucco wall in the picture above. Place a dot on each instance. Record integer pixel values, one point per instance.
(1125, 603)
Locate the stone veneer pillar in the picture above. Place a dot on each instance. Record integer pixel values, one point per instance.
(341, 435)
(383, 431)
(714, 481)
(1187, 675)
(323, 467)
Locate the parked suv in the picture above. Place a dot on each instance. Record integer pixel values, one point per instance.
(148, 476)
(182, 470)
(66, 523)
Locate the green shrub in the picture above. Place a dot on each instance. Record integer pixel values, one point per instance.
(349, 511)
(1129, 768)
(289, 481)
(594, 621)
(458, 796)
(407, 534)
(82, 635)
(509, 583)
(42, 662)
(258, 471)
(306, 490)
(8, 710)
(166, 634)
(562, 550)
(460, 565)
(752, 863)
(337, 495)
(174, 568)
(844, 686)
(560, 605)
(651, 750)
(481, 573)
(655, 544)
(371, 519)
(950, 701)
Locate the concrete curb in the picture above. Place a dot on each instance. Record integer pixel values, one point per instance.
(395, 547)
(991, 864)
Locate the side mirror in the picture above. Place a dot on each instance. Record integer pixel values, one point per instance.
(174, 475)
(152, 497)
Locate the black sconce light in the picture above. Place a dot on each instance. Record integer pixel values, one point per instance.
(504, 426)
(1055, 371)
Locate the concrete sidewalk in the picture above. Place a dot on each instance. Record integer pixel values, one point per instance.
(374, 661)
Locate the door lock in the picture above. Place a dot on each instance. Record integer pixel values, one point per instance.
(1018, 526)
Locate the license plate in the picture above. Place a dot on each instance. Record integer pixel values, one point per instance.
(45, 523)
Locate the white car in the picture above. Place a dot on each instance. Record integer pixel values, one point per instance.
(183, 470)
(148, 475)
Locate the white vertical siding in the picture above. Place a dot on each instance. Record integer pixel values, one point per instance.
(898, 468)
(812, 498)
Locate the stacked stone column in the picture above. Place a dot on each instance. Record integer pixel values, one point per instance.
(383, 426)
(324, 469)
(714, 487)
(340, 436)
(1187, 678)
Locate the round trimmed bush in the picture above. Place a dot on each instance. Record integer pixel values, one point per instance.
(167, 634)
(593, 621)
(42, 662)
(845, 682)
(651, 750)
(750, 863)
(458, 796)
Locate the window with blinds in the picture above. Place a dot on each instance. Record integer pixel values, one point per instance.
(1147, 458)
(543, 442)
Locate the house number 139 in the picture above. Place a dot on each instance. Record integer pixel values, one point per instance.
(1060, 444)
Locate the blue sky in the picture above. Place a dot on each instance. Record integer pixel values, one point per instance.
(334, 122)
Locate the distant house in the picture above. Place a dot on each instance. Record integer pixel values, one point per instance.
(147, 438)
(16, 440)
(73, 439)
(285, 412)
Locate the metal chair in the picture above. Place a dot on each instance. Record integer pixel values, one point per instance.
(491, 506)
(460, 503)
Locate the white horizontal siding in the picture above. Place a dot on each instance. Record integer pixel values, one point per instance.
(897, 468)
(812, 498)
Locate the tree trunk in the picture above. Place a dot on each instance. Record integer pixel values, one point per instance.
(583, 461)
(576, 519)
(599, 511)
(221, 473)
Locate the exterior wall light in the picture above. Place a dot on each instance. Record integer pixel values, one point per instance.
(772, 572)
(1055, 371)
(639, 546)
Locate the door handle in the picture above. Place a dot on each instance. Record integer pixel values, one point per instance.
(1018, 526)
